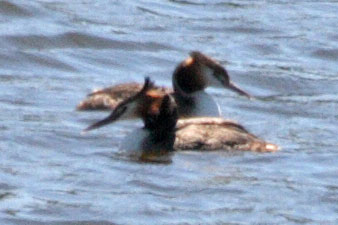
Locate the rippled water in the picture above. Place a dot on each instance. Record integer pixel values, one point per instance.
(54, 52)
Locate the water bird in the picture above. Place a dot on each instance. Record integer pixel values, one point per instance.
(163, 131)
(190, 79)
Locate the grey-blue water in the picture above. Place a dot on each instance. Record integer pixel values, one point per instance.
(53, 53)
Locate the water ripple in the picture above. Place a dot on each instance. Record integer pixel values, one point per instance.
(16, 10)
(54, 52)
(79, 40)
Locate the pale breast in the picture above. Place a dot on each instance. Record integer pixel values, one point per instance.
(133, 143)
(138, 145)
(200, 104)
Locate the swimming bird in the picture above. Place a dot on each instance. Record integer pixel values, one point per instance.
(155, 141)
(190, 79)
(163, 130)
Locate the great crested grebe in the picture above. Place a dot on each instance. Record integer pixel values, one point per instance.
(163, 130)
(190, 78)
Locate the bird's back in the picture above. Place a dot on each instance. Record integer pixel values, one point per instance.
(211, 133)
(108, 98)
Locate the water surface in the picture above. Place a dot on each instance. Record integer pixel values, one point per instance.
(55, 52)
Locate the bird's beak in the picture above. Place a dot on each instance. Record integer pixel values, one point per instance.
(115, 115)
(234, 88)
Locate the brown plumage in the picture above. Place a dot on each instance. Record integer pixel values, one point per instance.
(192, 75)
(212, 133)
(159, 114)
(109, 98)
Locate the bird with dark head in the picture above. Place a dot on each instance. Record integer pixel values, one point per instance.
(158, 111)
(165, 132)
(190, 79)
